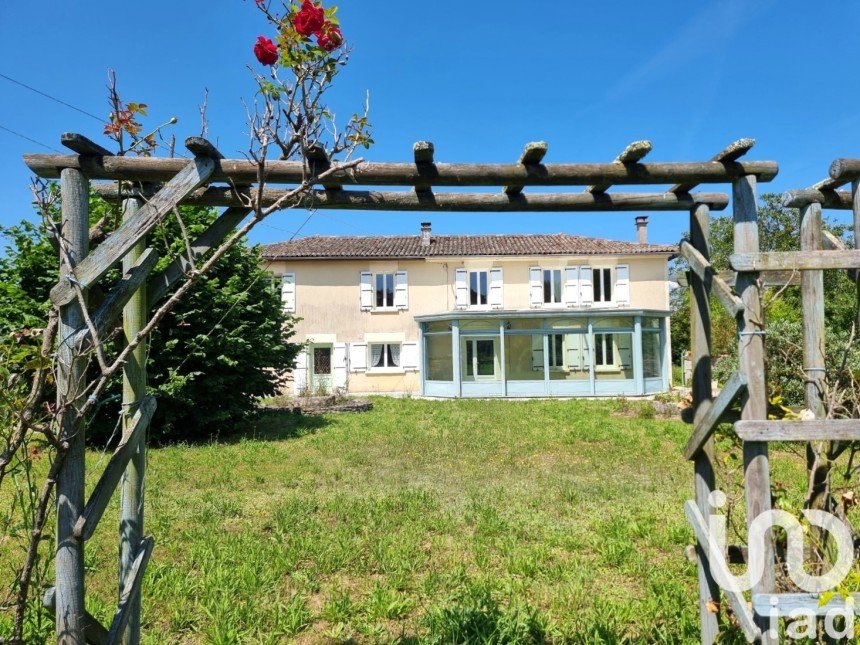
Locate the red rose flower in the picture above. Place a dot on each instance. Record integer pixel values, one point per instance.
(266, 51)
(310, 19)
(329, 37)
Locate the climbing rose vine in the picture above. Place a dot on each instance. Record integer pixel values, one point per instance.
(296, 33)
(266, 51)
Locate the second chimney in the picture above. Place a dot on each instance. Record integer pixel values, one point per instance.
(425, 234)
(642, 229)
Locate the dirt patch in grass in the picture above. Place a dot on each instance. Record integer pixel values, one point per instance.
(318, 404)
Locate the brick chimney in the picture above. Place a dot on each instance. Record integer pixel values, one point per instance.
(642, 229)
(425, 234)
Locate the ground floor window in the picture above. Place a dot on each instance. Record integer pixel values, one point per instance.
(322, 360)
(384, 355)
(651, 355)
(439, 357)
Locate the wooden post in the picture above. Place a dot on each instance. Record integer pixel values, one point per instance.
(812, 288)
(133, 392)
(705, 481)
(855, 206)
(71, 372)
(754, 403)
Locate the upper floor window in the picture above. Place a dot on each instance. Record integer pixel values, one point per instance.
(479, 289)
(601, 284)
(552, 286)
(384, 290)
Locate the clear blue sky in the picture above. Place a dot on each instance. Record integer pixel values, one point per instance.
(479, 79)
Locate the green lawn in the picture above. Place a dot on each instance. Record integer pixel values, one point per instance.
(421, 521)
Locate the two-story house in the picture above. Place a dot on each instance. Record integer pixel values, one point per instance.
(478, 315)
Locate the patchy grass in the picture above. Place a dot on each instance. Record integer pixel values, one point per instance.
(420, 521)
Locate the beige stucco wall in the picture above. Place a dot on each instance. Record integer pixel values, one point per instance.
(328, 298)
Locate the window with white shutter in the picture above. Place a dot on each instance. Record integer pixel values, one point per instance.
(622, 285)
(338, 365)
(288, 292)
(358, 357)
(461, 288)
(571, 286)
(366, 296)
(496, 288)
(401, 290)
(300, 372)
(409, 356)
(535, 288)
(586, 294)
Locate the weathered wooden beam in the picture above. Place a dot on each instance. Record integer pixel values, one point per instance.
(94, 632)
(813, 430)
(730, 153)
(423, 151)
(717, 561)
(832, 243)
(83, 146)
(244, 171)
(473, 202)
(105, 487)
(703, 269)
(751, 363)
(70, 379)
(131, 591)
(704, 477)
(795, 260)
(533, 153)
(735, 387)
(106, 316)
(131, 486)
(631, 154)
(784, 605)
(835, 199)
(200, 147)
(845, 170)
(769, 279)
(160, 284)
(318, 163)
(95, 265)
(812, 301)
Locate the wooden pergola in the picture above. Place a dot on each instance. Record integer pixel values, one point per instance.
(150, 188)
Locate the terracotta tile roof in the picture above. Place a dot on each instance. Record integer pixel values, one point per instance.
(409, 246)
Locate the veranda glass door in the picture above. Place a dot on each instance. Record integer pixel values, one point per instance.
(480, 358)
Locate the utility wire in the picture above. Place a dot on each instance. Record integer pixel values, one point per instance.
(25, 137)
(53, 98)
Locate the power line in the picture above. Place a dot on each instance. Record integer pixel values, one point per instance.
(53, 98)
(26, 138)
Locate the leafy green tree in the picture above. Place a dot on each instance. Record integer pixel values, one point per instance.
(222, 347)
(779, 230)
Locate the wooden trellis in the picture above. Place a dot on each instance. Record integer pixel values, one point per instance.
(820, 250)
(209, 179)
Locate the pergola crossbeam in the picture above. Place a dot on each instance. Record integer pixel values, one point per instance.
(633, 153)
(244, 171)
(533, 154)
(83, 146)
(731, 153)
(440, 202)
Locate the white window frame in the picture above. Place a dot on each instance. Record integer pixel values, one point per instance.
(478, 273)
(556, 299)
(374, 282)
(552, 339)
(604, 366)
(602, 281)
(386, 369)
(464, 342)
